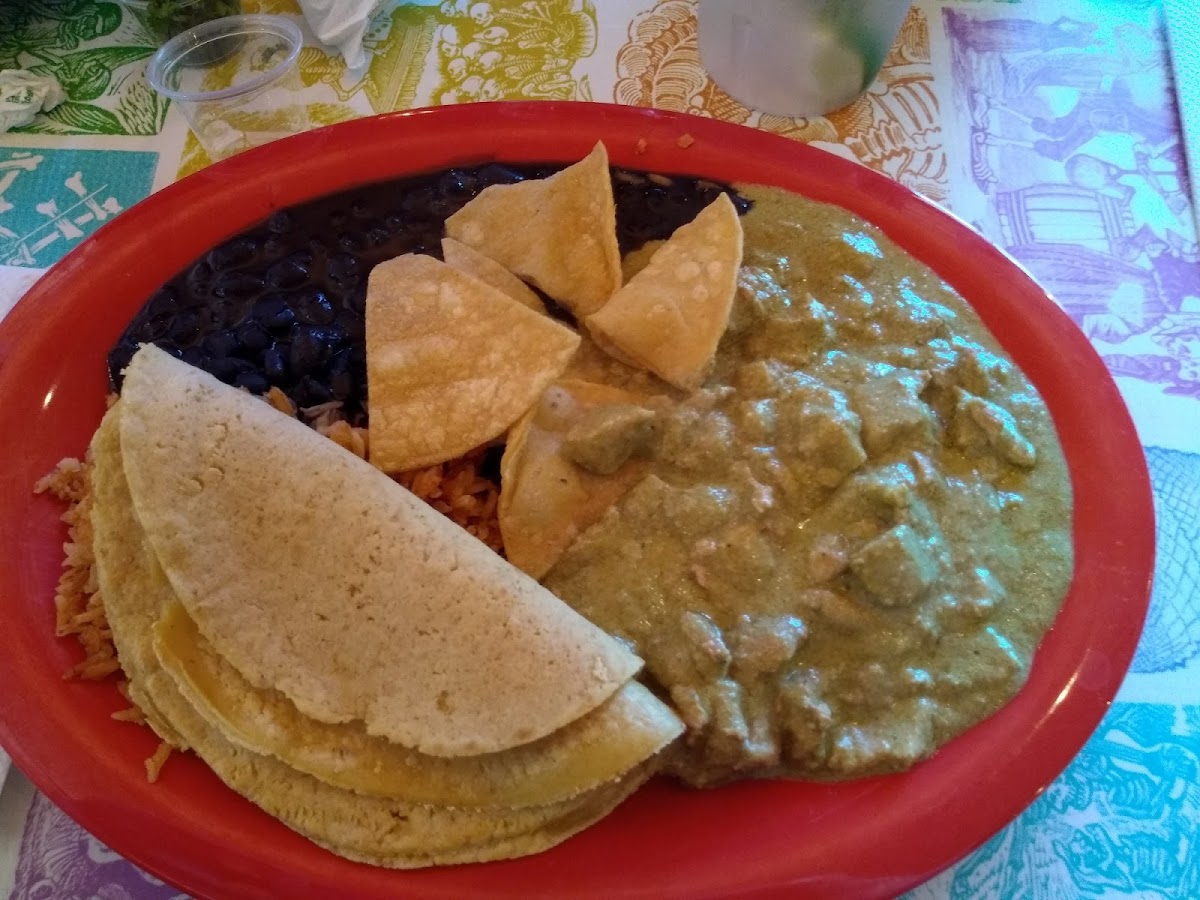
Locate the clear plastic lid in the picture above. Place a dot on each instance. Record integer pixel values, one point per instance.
(274, 41)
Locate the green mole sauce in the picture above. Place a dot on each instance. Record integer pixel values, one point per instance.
(853, 537)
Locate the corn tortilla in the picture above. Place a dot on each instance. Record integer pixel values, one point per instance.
(558, 233)
(471, 262)
(548, 500)
(670, 317)
(315, 574)
(581, 756)
(128, 587)
(383, 832)
(451, 361)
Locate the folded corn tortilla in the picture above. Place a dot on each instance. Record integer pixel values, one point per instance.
(128, 588)
(316, 575)
(598, 748)
(379, 831)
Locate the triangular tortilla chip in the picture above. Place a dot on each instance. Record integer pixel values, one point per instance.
(315, 574)
(670, 317)
(549, 498)
(451, 361)
(585, 754)
(558, 233)
(469, 260)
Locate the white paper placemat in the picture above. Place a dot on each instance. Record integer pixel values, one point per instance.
(14, 282)
(1183, 32)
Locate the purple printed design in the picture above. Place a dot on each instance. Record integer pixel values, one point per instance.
(61, 861)
(1076, 168)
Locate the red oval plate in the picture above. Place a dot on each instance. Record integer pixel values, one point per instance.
(874, 837)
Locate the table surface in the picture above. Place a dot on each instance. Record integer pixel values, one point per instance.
(1051, 126)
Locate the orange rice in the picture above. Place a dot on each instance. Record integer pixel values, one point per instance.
(455, 489)
(78, 603)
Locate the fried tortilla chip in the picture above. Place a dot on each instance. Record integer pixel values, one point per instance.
(451, 362)
(570, 459)
(383, 832)
(558, 233)
(636, 260)
(466, 259)
(315, 574)
(580, 756)
(670, 317)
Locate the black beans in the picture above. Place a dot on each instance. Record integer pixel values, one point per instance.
(342, 272)
(281, 222)
(351, 242)
(377, 233)
(198, 279)
(240, 251)
(253, 337)
(228, 368)
(155, 326)
(221, 343)
(195, 356)
(352, 324)
(274, 313)
(253, 381)
(186, 327)
(237, 284)
(120, 356)
(290, 272)
(309, 352)
(274, 363)
(311, 392)
(274, 247)
(415, 203)
(283, 304)
(457, 183)
(312, 307)
(357, 301)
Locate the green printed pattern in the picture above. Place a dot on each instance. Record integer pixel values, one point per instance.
(98, 56)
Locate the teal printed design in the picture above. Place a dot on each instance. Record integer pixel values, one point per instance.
(96, 54)
(50, 200)
(1120, 822)
(1171, 638)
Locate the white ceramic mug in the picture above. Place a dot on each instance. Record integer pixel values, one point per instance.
(797, 57)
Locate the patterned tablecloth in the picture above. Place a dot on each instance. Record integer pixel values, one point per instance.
(1049, 125)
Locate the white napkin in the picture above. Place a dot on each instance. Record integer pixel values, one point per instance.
(14, 282)
(1183, 31)
(23, 95)
(341, 24)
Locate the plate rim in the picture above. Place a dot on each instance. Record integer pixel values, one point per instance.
(201, 198)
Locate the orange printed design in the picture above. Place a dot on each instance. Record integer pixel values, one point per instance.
(894, 127)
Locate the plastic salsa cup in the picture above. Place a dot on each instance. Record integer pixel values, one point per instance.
(163, 19)
(236, 80)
